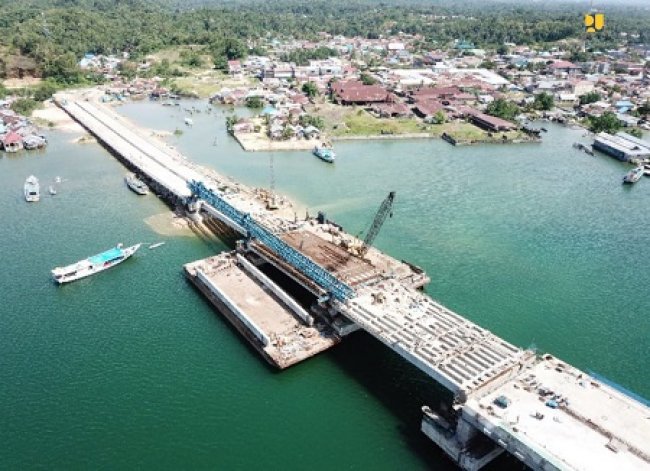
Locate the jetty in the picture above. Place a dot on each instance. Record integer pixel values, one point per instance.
(294, 288)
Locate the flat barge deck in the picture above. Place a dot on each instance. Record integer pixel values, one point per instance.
(272, 322)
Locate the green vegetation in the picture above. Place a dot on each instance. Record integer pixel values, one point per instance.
(303, 56)
(636, 132)
(24, 106)
(607, 122)
(439, 117)
(591, 97)
(504, 109)
(362, 123)
(310, 89)
(230, 122)
(191, 58)
(309, 120)
(254, 102)
(544, 102)
(643, 110)
(367, 79)
(54, 34)
(227, 49)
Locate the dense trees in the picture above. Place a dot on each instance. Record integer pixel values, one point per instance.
(544, 102)
(310, 89)
(591, 97)
(56, 33)
(607, 122)
(303, 56)
(504, 109)
(254, 102)
(367, 79)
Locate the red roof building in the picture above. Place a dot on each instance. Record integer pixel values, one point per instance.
(428, 108)
(356, 93)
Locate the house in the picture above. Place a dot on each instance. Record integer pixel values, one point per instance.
(623, 106)
(428, 108)
(234, 67)
(391, 110)
(439, 93)
(12, 142)
(356, 93)
(311, 132)
(564, 67)
(487, 122)
(243, 127)
(395, 47)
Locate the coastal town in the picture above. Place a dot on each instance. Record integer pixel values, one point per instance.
(341, 88)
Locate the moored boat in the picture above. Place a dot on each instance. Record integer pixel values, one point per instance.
(633, 175)
(135, 184)
(324, 153)
(94, 264)
(32, 189)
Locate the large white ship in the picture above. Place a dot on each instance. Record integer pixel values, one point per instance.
(94, 264)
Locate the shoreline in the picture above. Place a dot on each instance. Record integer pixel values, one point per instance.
(53, 117)
(254, 142)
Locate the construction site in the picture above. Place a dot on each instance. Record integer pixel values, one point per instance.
(296, 287)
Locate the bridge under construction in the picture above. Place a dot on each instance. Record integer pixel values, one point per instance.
(546, 413)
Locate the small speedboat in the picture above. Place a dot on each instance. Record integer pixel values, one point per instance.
(52, 190)
(189, 122)
(633, 175)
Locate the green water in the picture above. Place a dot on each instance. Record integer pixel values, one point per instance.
(132, 368)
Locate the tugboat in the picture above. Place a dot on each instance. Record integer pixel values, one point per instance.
(135, 184)
(324, 153)
(633, 175)
(32, 189)
(94, 264)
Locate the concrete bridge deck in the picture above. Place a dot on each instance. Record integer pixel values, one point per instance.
(476, 365)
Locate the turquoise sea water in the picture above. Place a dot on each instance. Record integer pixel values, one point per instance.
(132, 368)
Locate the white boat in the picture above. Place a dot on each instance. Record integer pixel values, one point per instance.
(135, 184)
(94, 264)
(52, 190)
(57, 180)
(32, 189)
(633, 175)
(189, 122)
(156, 245)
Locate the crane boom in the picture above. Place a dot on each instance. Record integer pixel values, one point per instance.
(382, 213)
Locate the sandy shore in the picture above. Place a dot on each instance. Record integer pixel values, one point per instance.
(255, 142)
(54, 117)
(169, 224)
(85, 139)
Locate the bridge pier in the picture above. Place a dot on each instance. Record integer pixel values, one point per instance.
(465, 445)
